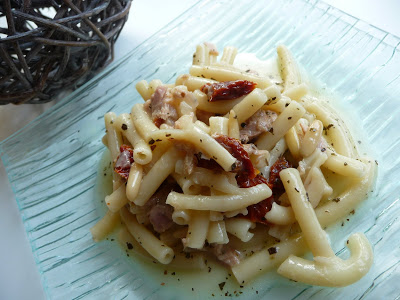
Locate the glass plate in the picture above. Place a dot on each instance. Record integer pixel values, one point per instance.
(53, 163)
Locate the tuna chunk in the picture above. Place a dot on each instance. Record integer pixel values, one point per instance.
(227, 254)
(162, 108)
(158, 212)
(258, 123)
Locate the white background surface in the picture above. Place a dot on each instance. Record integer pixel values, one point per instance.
(19, 278)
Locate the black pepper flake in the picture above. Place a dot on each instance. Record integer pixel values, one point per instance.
(221, 285)
(289, 118)
(201, 140)
(158, 140)
(271, 130)
(353, 212)
(376, 162)
(336, 199)
(192, 289)
(287, 104)
(209, 269)
(151, 142)
(124, 127)
(272, 250)
(329, 126)
(308, 198)
(187, 255)
(129, 245)
(248, 70)
(243, 125)
(345, 163)
(168, 135)
(273, 98)
(347, 242)
(323, 149)
(296, 190)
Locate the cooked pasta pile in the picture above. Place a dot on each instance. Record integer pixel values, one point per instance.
(240, 165)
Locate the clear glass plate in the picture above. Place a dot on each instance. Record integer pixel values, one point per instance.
(53, 163)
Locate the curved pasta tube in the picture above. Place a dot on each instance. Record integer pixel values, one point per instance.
(104, 226)
(220, 182)
(193, 83)
(316, 186)
(228, 55)
(217, 233)
(249, 105)
(311, 138)
(157, 174)
(293, 142)
(332, 271)
(233, 125)
(201, 140)
(343, 165)
(280, 215)
(219, 125)
(225, 74)
(240, 228)
(181, 217)
(296, 92)
(337, 132)
(217, 107)
(134, 181)
(326, 269)
(289, 69)
(268, 259)
(143, 124)
(282, 124)
(198, 229)
(116, 199)
(146, 239)
(143, 89)
(350, 198)
(141, 150)
(247, 196)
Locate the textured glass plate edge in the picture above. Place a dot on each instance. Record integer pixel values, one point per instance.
(97, 78)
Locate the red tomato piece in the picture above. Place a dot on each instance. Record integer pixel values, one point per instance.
(228, 90)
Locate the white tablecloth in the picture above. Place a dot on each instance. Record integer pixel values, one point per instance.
(19, 278)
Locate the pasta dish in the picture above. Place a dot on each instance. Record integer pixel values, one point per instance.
(243, 166)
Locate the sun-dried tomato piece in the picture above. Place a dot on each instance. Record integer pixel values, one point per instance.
(124, 161)
(256, 212)
(274, 178)
(245, 182)
(158, 122)
(227, 90)
(244, 165)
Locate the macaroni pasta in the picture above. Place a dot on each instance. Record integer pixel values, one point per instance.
(231, 163)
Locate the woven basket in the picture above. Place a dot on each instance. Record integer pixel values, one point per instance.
(51, 45)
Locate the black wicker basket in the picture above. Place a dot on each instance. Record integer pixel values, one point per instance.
(50, 45)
